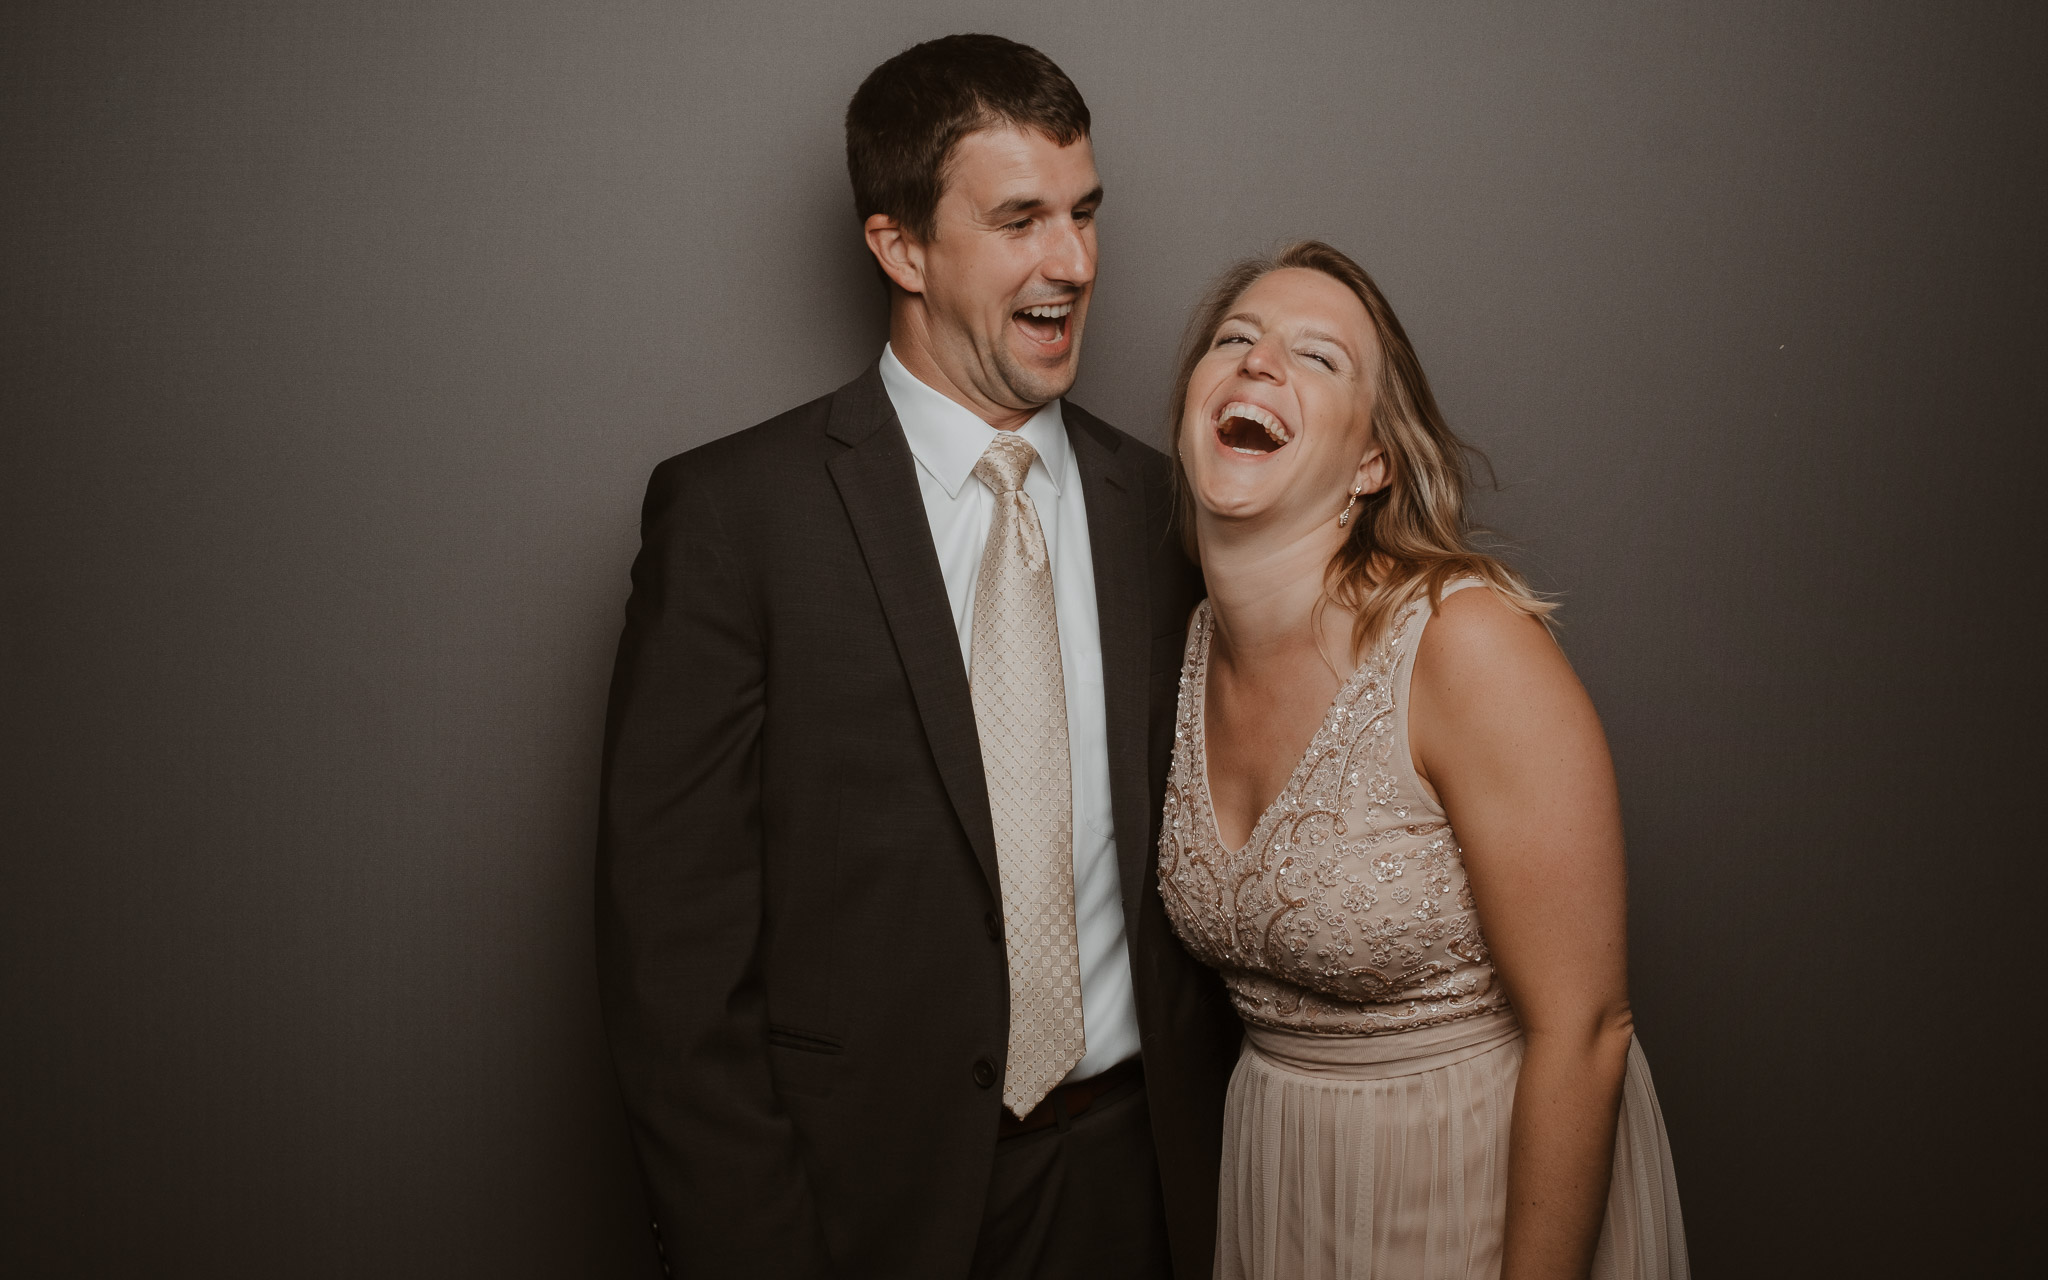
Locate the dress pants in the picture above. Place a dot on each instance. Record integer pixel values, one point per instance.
(1078, 1200)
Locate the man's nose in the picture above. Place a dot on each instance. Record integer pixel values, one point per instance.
(1070, 258)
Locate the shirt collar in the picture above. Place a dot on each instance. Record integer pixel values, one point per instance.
(947, 439)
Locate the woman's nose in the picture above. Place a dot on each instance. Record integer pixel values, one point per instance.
(1262, 360)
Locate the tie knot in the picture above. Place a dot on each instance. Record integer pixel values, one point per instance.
(1004, 463)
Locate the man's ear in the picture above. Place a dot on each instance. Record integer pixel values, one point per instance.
(1372, 471)
(899, 252)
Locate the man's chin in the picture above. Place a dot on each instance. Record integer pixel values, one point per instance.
(1035, 382)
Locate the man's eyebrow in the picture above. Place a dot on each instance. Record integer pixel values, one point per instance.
(1028, 204)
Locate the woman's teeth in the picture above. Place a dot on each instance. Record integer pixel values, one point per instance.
(1246, 439)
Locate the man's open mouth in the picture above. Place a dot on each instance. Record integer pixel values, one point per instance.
(1246, 428)
(1046, 323)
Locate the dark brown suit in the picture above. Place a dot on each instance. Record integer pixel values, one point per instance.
(798, 930)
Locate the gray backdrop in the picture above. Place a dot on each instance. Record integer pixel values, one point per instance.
(339, 340)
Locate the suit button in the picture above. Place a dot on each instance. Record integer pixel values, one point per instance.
(994, 924)
(984, 1073)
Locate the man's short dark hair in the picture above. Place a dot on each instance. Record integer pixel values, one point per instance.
(907, 115)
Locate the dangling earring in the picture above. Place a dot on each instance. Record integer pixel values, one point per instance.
(1344, 518)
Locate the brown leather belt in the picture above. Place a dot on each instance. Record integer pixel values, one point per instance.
(1072, 1098)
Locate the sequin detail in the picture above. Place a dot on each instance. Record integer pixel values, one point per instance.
(1347, 912)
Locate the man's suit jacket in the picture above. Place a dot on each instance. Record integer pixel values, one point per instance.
(799, 936)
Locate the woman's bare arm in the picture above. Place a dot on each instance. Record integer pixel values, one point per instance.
(1503, 730)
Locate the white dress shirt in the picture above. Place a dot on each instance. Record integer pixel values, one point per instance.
(947, 440)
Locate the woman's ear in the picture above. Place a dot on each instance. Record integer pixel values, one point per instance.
(1372, 471)
(899, 252)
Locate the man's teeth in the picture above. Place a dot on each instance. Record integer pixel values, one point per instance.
(1049, 313)
(1252, 413)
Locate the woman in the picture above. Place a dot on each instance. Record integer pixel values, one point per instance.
(1392, 826)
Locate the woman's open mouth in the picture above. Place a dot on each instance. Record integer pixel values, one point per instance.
(1246, 428)
(1045, 324)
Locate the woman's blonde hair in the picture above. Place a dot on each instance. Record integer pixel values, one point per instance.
(1413, 535)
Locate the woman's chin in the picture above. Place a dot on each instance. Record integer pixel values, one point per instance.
(1237, 504)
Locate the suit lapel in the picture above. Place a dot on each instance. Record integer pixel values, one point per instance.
(877, 480)
(1116, 538)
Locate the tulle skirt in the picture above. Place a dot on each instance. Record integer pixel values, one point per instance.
(1386, 1157)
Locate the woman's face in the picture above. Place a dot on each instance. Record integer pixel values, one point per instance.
(1279, 410)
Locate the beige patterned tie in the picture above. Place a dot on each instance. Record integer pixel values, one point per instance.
(1020, 712)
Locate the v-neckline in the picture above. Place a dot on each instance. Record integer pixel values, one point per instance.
(1309, 753)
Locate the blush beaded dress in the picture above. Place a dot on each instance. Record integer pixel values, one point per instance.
(1366, 1126)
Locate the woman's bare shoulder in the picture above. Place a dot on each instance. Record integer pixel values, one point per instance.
(1479, 635)
(1492, 694)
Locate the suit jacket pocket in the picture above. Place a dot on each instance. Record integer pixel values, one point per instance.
(808, 1041)
(803, 1064)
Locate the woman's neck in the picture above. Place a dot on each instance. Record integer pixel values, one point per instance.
(1263, 590)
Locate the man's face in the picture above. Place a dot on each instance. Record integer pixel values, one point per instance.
(1008, 275)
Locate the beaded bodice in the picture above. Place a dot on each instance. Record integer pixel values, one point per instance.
(1347, 911)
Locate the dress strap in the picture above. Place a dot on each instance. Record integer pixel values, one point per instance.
(1198, 626)
(1407, 642)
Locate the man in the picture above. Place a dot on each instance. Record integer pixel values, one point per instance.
(887, 979)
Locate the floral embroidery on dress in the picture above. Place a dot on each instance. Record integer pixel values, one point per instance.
(1347, 912)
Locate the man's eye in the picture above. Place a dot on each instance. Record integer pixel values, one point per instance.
(1084, 215)
(1021, 224)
